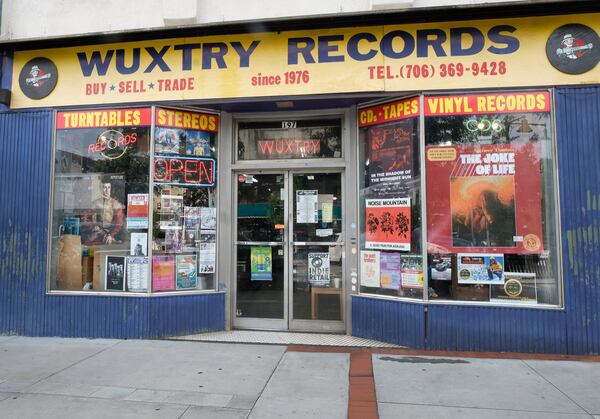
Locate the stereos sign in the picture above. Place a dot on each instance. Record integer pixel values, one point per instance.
(543, 50)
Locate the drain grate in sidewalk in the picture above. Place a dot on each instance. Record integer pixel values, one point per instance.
(286, 338)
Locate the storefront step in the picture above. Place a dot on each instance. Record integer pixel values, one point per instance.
(286, 338)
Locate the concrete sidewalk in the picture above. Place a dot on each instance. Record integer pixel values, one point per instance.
(81, 378)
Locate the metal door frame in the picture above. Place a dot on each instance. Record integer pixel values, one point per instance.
(288, 323)
(257, 322)
(303, 324)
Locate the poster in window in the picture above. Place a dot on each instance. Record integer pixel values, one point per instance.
(104, 218)
(138, 244)
(173, 241)
(261, 263)
(484, 198)
(198, 143)
(479, 268)
(388, 224)
(168, 140)
(163, 273)
(441, 267)
(326, 204)
(411, 271)
(518, 287)
(191, 228)
(137, 211)
(137, 274)
(369, 268)
(171, 212)
(390, 270)
(208, 217)
(390, 152)
(186, 272)
(319, 269)
(307, 208)
(115, 273)
(207, 258)
(71, 226)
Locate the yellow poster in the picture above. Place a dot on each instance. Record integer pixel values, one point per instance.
(518, 52)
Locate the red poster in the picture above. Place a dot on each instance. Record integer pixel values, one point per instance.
(484, 198)
(388, 224)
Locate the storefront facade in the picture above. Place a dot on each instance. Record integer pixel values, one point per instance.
(432, 185)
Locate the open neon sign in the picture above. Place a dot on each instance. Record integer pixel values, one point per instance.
(185, 171)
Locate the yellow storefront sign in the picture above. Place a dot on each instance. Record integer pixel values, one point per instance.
(535, 51)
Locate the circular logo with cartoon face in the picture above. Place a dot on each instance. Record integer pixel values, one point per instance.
(573, 49)
(38, 78)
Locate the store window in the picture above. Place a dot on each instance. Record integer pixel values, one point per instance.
(491, 230)
(290, 139)
(104, 237)
(101, 171)
(184, 211)
(391, 256)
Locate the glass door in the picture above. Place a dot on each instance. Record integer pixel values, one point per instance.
(289, 251)
(261, 289)
(317, 248)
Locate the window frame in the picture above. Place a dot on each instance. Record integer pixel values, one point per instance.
(149, 292)
(556, 223)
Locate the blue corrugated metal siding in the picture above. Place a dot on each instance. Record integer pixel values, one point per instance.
(496, 329)
(388, 321)
(181, 316)
(578, 131)
(25, 308)
(24, 168)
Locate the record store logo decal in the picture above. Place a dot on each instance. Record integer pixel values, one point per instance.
(573, 49)
(38, 78)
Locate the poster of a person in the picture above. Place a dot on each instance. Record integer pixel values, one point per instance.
(103, 222)
(494, 269)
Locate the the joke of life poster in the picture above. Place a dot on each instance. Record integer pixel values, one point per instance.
(484, 198)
